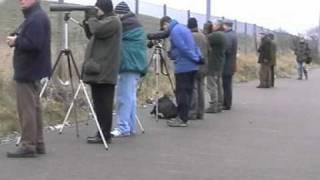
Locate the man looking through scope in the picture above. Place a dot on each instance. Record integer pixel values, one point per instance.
(102, 61)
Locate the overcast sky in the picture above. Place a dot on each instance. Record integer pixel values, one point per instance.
(295, 16)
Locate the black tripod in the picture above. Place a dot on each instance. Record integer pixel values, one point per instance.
(160, 66)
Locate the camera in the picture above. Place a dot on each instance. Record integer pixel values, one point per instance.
(68, 8)
(156, 38)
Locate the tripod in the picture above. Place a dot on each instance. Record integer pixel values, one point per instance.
(160, 66)
(71, 62)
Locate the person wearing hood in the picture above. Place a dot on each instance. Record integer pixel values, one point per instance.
(102, 61)
(133, 66)
(198, 101)
(187, 57)
(31, 63)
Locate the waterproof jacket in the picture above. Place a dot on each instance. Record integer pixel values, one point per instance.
(133, 51)
(202, 42)
(302, 51)
(217, 54)
(102, 58)
(265, 51)
(231, 53)
(32, 54)
(183, 48)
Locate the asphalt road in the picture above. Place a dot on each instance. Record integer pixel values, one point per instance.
(270, 134)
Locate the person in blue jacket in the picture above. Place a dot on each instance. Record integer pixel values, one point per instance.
(187, 57)
(133, 66)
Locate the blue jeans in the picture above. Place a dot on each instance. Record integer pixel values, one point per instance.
(302, 70)
(126, 103)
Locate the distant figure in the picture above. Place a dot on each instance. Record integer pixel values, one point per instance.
(198, 100)
(230, 65)
(217, 42)
(273, 59)
(31, 63)
(265, 60)
(133, 66)
(302, 51)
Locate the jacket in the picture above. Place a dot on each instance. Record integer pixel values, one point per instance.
(133, 51)
(231, 53)
(217, 54)
(265, 51)
(202, 43)
(302, 51)
(183, 50)
(102, 57)
(32, 54)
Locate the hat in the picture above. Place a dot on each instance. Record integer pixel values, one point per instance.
(228, 23)
(122, 8)
(192, 23)
(105, 5)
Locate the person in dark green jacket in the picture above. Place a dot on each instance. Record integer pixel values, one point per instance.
(133, 66)
(102, 61)
(218, 44)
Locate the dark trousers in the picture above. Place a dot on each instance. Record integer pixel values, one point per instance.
(102, 95)
(227, 88)
(30, 114)
(184, 90)
(272, 75)
(198, 101)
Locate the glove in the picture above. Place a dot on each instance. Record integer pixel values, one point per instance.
(90, 13)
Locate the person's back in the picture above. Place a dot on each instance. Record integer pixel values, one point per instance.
(231, 53)
(217, 41)
(183, 48)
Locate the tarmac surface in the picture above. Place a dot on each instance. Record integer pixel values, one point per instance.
(270, 134)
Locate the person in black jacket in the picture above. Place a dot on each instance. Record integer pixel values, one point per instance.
(230, 65)
(31, 62)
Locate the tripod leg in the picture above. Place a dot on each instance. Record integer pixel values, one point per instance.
(140, 124)
(94, 115)
(73, 92)
(75, 65)
(163, 61)
(44, 88)
(157, 56)
(70, 109)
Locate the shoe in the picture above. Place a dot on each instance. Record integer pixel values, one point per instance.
(22, 153)
(262, 87)
(300, 78)
(212, 110)
(98, 140)
(200, 117)
(41, 149)
(117, 133)
(227, 108)
(193, 117)
(177, 123)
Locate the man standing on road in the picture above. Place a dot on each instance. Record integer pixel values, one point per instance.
(186, 57)
(133, 66)
(31, 62)
(198, 101)
(265, 60)
(302, 51)
(230, 64)
(217, 42)
(273, 59)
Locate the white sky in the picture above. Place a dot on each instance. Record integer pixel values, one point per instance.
(295, 16)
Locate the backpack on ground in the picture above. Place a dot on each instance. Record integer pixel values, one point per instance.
(167, 108)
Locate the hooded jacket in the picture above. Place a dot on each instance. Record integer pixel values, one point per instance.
(183, 48)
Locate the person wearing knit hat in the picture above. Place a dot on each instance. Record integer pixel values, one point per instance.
(133, 66)
(198, 101)
(101, 65)
(122, 8)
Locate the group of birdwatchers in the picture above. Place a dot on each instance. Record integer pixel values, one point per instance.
(116, 55)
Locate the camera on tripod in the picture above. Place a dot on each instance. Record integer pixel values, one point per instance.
(156, 38)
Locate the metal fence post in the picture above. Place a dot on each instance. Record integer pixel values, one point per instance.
(255, 37)
(188, 14)
(246, 38)
(319, 38)
(208, 15)
(164, 10)
(137, 7)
